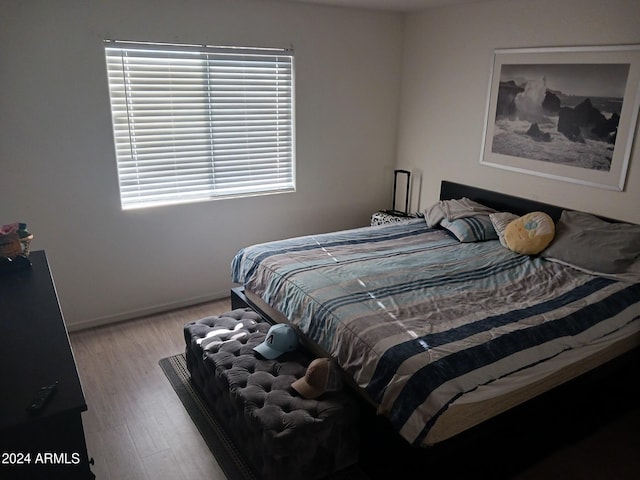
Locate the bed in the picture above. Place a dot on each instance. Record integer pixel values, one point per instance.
(441, 334)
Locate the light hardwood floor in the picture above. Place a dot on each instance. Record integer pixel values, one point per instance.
(136, 428)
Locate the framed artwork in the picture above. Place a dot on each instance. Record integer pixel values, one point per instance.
(567, 113)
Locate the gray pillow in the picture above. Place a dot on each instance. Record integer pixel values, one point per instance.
(592, 244)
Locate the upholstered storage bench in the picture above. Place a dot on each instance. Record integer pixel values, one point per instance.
(282, 435)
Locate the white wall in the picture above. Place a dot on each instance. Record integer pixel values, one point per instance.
(448, 53)
(57, 166)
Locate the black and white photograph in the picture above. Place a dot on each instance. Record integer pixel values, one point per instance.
(570, 118)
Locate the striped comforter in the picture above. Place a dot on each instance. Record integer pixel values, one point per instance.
(418, 319)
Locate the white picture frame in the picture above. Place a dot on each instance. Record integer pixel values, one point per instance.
(539, 100)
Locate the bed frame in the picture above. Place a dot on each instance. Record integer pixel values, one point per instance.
(484, 411)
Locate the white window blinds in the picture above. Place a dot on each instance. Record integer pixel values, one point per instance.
(194, 123)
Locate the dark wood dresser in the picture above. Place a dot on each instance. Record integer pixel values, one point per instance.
(34, 352)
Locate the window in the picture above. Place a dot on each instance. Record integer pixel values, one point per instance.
(194, 123)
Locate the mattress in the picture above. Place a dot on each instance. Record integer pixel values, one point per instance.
(439, 334)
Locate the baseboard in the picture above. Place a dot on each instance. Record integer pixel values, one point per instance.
(143, 312)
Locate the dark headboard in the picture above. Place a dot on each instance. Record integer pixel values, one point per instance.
(499, 201)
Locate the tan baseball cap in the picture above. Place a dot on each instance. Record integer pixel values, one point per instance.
(322, 376)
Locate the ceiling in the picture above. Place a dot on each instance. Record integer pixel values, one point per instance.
(392, 5)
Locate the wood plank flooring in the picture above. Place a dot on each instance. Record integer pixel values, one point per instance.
(136, 428)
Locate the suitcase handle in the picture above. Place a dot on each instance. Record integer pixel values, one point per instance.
(395, 185)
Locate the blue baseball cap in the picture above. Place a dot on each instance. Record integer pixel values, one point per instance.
(281, 338)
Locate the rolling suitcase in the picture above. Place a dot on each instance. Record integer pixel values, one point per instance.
(395, 216)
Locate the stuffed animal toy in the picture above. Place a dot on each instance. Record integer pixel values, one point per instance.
(530, 234)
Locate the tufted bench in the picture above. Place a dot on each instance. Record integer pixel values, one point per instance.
(282, 435)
